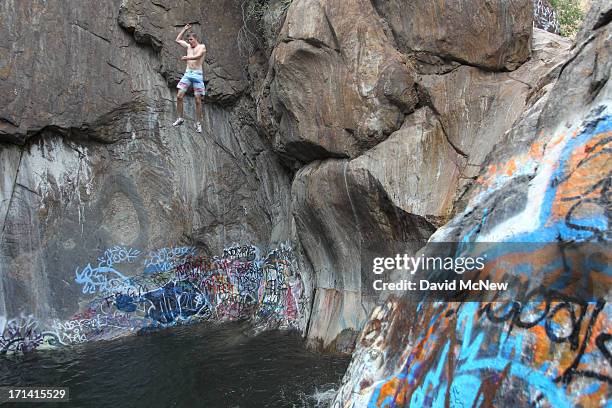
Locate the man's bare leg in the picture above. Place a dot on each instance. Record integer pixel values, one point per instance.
(198, 102)
(179, 108)
(179, 103)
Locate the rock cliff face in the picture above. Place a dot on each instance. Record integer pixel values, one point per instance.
(545, 183)
(393, 130)
(90, 162)
(356, 127)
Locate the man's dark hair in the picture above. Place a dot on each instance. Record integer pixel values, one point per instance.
(192, 34)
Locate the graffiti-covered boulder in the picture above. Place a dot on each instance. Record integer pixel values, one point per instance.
(545, 188)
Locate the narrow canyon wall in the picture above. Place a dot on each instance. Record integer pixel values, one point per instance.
(92, 166)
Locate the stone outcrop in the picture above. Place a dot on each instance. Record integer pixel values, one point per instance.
(343, 215)
(416, 124)
(336, 84)
(45, 82)
(72, 69)
(421, 170)
(475, 107)
(546, 184)
(493, 35)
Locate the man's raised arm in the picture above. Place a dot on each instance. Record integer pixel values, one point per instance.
(179, 37)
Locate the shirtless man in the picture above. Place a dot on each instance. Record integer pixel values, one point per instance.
(193, 76)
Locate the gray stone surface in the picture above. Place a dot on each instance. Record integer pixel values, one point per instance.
(70, 68)
(217, 23)
(417, 167)
(344, 218)
(336, 84)
(100, 164)
(420, 172)
(476, 108)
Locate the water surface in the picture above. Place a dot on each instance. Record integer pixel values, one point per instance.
(202, 365)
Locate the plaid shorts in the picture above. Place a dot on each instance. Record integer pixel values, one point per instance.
(194, 78)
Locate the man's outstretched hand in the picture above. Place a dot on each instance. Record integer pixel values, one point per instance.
(185, 58)
(179, 37)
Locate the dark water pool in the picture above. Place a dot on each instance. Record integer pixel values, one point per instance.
(189, 366)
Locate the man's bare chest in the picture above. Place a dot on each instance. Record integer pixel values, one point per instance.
(193, 51)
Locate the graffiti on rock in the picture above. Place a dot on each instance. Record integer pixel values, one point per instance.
(165, 259)
(548, 348)
(104, 277)
(101, 279)
(19, 335)
(175, 286)
(544, 16)
(118, 255)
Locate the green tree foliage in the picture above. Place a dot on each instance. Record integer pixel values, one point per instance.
(569, 14)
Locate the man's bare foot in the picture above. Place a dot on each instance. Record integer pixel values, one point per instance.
(178, 122)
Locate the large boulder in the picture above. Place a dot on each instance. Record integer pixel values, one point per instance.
(545, 185)
(336, 85)
(494, 35)
(417, 167)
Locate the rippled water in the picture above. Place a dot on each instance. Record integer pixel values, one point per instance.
(189, 366)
